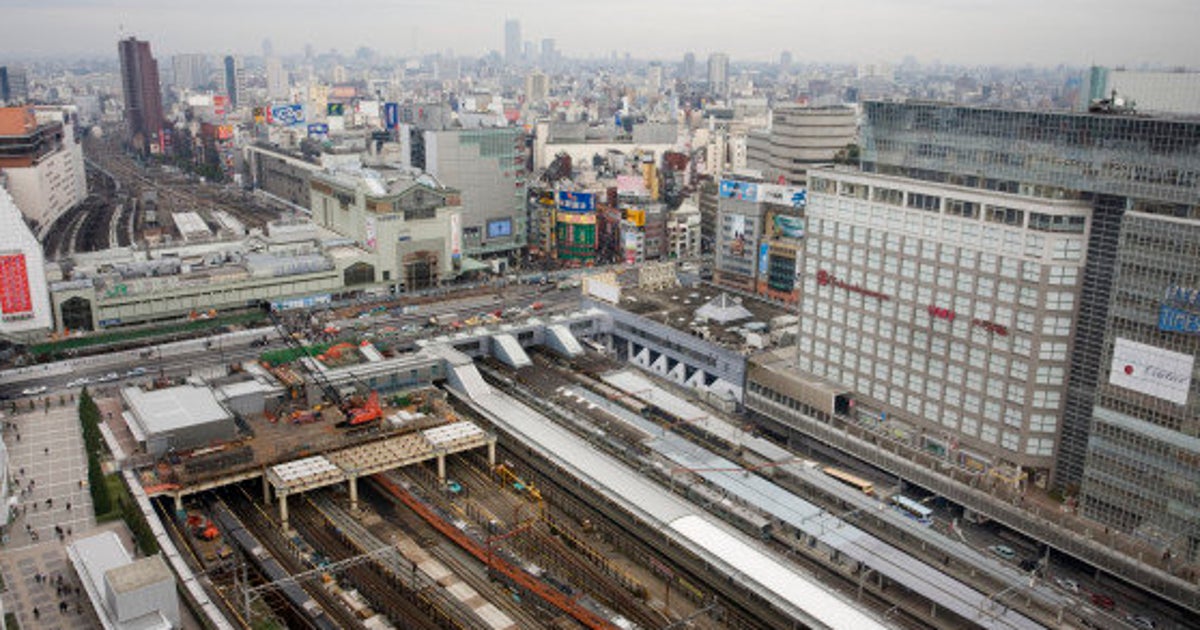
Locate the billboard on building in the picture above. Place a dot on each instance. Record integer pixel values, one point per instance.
(1180, 310)
(500, 228)
(737, 235)
(224, 132)
(292, 114)
(318, 130)
(15, 301)
(629, 246)
(371, 234)
(220, 104)
(793, 196)
(743, 191)
(1152, 371)
(260, 115)
(571, 201)
(335, 109)
(455, 235)
(764, 258)
(636, 216)
(783, 227)
(391, 115)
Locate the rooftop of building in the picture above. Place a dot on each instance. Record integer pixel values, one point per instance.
(173, 408)
(724, 318)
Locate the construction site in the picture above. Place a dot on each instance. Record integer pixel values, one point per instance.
(507, 478)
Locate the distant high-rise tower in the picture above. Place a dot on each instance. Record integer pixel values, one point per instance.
(537, 87)
(512, 41)
(267, 49)
(718, 74)
(277, 79)
(548, 52)
(143, 95)
(785, 61)
(191, 71)
(234, 78)
(14, 85)
(687, 71)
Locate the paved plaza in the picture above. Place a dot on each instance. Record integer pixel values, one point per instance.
(46, 466)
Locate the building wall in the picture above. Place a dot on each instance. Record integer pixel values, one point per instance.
(949, 311)
(1115, 162)
(50, 187)
(282, 176)
(384, 232)
(176, 299)
(1143, 456)
(19, 248)
(488, 166)
(804, 138)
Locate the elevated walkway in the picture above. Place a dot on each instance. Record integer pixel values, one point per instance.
(562, 342)
(506, 348)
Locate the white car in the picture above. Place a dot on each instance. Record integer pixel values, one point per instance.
(1067, 584)
(111, 376)
(79, 382)
(34, 391)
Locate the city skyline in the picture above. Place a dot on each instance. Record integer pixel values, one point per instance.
(976, 32)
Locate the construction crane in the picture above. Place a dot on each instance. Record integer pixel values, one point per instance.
(331, 392)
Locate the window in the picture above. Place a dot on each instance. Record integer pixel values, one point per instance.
(1004, 216)
(1063, 275)
(964, 209)
(1010, 441)
(922, 201)
(1046, 399)
(1054, 223)
(1068, 249)
(1056, 326)
(889, 196)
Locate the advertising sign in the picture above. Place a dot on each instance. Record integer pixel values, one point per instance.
(636, 216)
(14, 286)
(629, 246)
(220, 104)
(743, 191)
(391, 115)
(455, 235)
(318, 130)
(793, 196)
(499, 228)
(286, 114)
(780, 226)
(764, 251)
(571, 201)
(372, 238)
(737, 235)
(335, 109)
(1151, 371)
(259, 115)
(1180, 310)
(224, 132)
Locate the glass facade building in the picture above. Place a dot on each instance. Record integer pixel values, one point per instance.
(1129, 445)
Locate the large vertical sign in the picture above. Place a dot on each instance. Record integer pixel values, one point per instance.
(1151, 371)
(391, 115)
(455, 235)
(372, 238)
(15, 301)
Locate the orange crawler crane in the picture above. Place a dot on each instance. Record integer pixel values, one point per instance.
(369, 412)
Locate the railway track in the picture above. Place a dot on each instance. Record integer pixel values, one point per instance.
(267, 533)
(386, 593)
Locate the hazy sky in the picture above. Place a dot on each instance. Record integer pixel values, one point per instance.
(1005, 32)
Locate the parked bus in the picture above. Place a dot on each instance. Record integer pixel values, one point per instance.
(864, 486)
(913, 509)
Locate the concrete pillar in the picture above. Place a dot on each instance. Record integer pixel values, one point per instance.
(492, 453)
(266, 491)
(283, 515)
(441, 461)
(353, 493)
(178, 502)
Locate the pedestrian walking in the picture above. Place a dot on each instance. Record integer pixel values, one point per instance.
(37, 614)
(68, 506)
(47, 450)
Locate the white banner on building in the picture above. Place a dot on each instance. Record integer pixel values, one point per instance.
(1151, 371)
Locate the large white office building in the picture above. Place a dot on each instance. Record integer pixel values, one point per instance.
(948, 312)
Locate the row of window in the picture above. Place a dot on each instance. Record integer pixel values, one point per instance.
(865, 225)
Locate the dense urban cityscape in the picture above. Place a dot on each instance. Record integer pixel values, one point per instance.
(551, 338)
